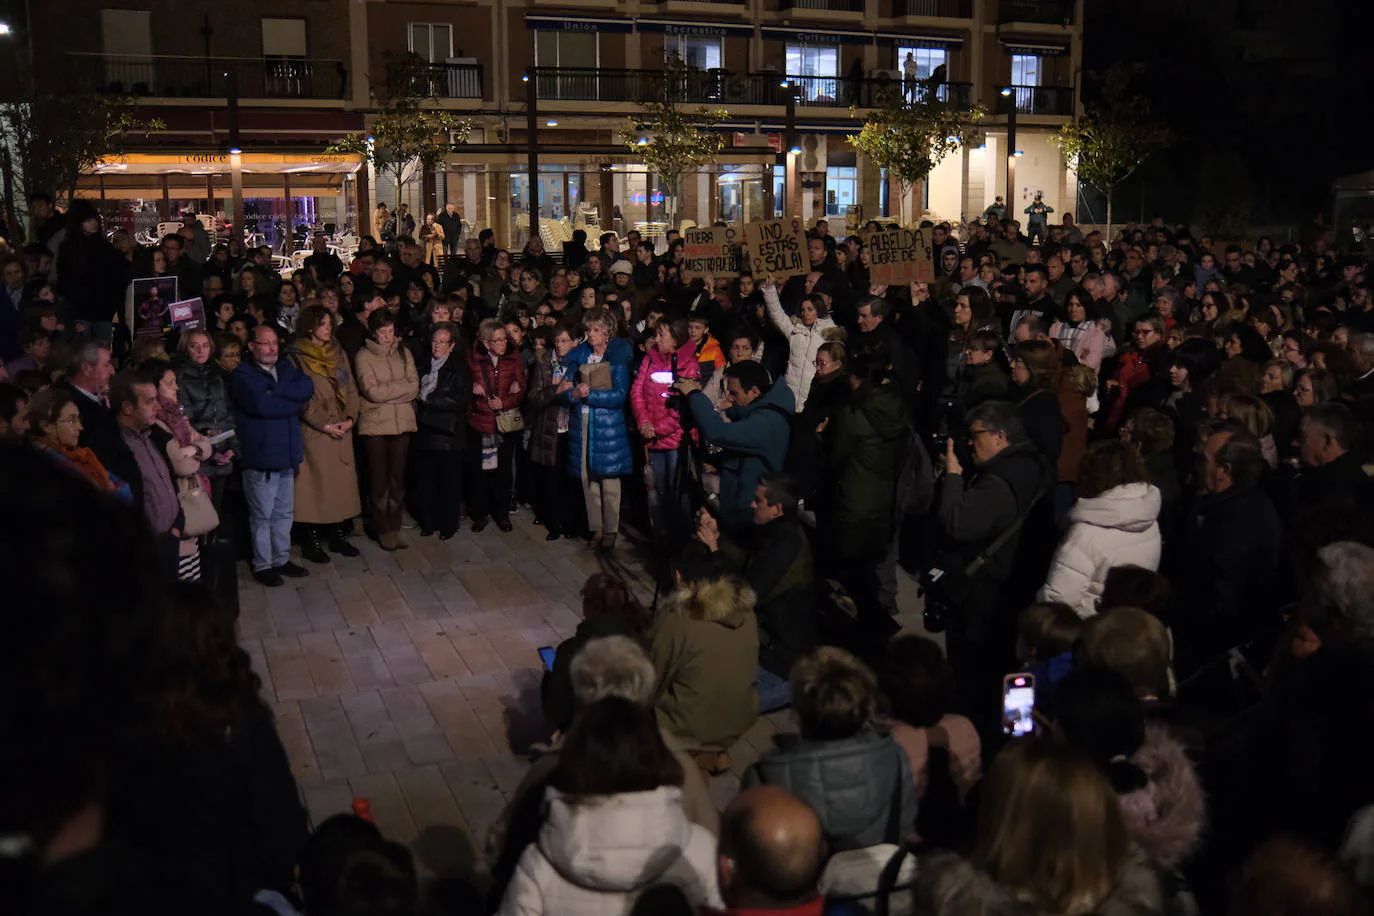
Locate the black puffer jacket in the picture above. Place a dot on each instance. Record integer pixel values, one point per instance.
(851, 784)
(203, 391)
(441, 418)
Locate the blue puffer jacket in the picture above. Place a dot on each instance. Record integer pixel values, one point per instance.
(609, 452)
(268, 414)
(754, 442)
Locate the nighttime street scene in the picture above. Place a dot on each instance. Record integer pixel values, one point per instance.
(686, 458)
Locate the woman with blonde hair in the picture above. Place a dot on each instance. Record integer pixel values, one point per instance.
(1255, 415)
(1051, 840)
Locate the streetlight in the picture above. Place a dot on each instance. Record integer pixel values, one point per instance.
(1009, 93)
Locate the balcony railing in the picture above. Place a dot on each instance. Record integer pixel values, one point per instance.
(946, 9)
(721, 87)
(1037, 100)
(1051, 12)
(718, 2)
(838, 6)
(455, 81)
(171, 76)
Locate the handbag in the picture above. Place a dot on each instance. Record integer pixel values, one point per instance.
(507, 421)
(197, 509)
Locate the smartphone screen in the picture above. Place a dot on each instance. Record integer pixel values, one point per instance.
(1018, 704)
(546, 654)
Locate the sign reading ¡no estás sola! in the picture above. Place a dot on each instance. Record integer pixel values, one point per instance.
(776, 247)
(710, 251)
(897, 256)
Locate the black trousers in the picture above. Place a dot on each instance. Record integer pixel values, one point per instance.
(438, 481)
(489, 491)
(558, 497)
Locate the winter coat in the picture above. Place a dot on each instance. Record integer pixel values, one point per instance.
(327, 482)
(1040, 413)
(1165, 818)
(949, 885)
(1073, 409)
(505, 380)
(850, 783)
(494, 287)
(803, 344)
(602, 412)
(654, 402)
(754, 443)
(777, 564)
(972, 512)
(389, 385)
(542, 408)
(267, 415)
(705, 647)
(91, 277)
(828, 394)
(596, 855)
(203, 391)
(1116, 528)
(441, 420)
(864, 456)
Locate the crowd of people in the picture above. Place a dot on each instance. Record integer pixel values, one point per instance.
(1130, 472)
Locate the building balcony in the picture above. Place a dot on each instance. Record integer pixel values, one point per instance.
(1042, 12)
(172, 76)
(723, 88)
(1037, 100)
(806, 7)
(455, 81)
(933, 9)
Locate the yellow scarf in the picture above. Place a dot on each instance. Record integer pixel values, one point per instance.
(322, 360)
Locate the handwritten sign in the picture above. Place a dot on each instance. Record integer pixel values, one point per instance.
(710, 251)
(777, 248)
(897, 256)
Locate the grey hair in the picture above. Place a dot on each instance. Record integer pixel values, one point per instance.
(877, 306)
(612, 666)
(999, 417)
(87, 355)
(1347, 582)
(1362, 348)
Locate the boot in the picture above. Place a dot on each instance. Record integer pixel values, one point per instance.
(388, 540)
(338, 541)
(311, 548)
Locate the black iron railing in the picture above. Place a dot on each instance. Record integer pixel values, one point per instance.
(1037, 100)
(947, 9)
(172, 76)
(1054, 12)
(455, 81)
(839, 6)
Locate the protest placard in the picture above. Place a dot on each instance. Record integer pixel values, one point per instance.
(897, 256)
(710, 251)
(188, 314)
(149, 305)
(776, 248)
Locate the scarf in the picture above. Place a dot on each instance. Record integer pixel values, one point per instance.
(85, 461)
(322, 360)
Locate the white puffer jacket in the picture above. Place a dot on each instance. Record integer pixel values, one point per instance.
(595, 856)
(1117, 528)
(803, 344)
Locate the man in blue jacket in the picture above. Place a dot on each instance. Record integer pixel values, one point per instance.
(268, 399)
(754, 441)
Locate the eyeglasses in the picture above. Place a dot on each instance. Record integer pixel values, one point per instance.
(973, 434)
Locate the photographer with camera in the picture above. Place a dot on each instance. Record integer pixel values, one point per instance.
(978, 525)
(752, 435)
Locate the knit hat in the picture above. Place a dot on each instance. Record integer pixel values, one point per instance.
(621, 267)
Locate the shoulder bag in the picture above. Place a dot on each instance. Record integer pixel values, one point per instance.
(507, 421)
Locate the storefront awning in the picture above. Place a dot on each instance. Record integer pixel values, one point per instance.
(817, 36)
(1035, 48)
(578, 24)
(945, 42)
(705, 30)
(217, 163)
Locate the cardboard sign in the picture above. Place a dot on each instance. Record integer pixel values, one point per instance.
(778, 248)
(710, 251)
(188, 314)
(897, 256)
(150, 306)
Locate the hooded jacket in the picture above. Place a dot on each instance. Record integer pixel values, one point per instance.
(754, 442)
(651, 399)
(705, 648)
(595, 855)
(1166, 817)
(601, 415)
(1117, 528)
(803, 344)
(948, 885)
(851, 784)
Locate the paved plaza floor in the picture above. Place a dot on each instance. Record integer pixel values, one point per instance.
(412, 678)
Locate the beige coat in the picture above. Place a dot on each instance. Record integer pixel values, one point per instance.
(327, 480)
(389, 385)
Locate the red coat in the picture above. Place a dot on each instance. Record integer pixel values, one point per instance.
(505, 380)
(648, 397)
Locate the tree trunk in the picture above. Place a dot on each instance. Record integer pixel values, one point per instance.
(1109, 219)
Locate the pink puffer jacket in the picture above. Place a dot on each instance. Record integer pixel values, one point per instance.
(649, 398)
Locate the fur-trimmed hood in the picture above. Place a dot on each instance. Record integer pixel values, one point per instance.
(949, 885)
(727, 601)
(1166, 817)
